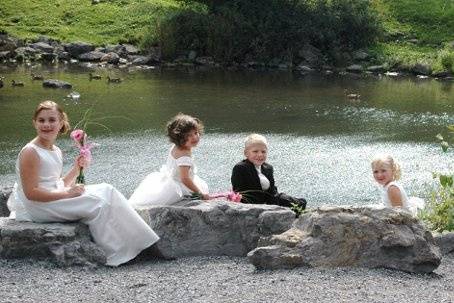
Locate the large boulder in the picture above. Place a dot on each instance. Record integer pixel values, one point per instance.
(64, 244)
(445, 241)
(52, 83)
(91, 56)
(42, 46)
(351, 236)
(78, 48)
(194, 228)
(7, 43)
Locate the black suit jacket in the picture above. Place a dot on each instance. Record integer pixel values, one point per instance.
(245, 177)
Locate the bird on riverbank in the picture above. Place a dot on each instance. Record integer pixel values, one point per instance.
(94, 76)
(352, 96)
(17, 83)
(1, 81)
(37, 76)
(74, 96)
(113, 80)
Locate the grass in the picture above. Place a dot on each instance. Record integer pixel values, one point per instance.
(109, 22)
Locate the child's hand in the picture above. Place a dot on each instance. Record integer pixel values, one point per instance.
(82, 162)
(75, 190)
(205, 196)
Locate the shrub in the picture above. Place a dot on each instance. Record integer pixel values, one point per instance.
(242, 30)
(439, 212)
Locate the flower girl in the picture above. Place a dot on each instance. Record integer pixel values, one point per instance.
(41, 194)
(386, 171)
(177, 178)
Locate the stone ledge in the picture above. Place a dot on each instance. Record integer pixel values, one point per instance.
(64, 244)
(445, 241)
(195, 228)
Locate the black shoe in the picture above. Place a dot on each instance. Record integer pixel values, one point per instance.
(302, 202)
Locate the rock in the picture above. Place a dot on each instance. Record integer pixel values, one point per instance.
(7, 55)
(446, 242)
(142, 60)
(304, 68)
(111, 57)
(91, 56)
(78, 48)
(130, 49)
(355, 68)
(65, 244)
(7, 43)
(26, 51)
(43, 47)
(311, 55)
(204, 60)
(443, 74)
(56, 84)
(62, 55)
(192, 55)
(421, 69)
(351, 236)
(4, 195)
(376, 68)
(191, 228)
(360, 55)
(48, 57)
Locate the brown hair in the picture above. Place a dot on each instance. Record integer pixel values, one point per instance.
(179, 127)
(50, 105)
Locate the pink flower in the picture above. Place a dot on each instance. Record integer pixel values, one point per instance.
(85, 151)
(230, 195)
(77, 135)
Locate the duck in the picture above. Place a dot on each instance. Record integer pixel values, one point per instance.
(74, 95)
(17, 83)
(37, 77)
(94, 76)
(113, 80)
(1, 81)
(352, 96)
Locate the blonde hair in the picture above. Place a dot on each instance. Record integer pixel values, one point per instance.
(254, 139)
(51, 105)
(386, 160)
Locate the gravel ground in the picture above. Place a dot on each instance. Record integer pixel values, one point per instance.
(218, 279)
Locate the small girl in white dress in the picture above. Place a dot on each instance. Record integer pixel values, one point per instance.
(386, 172)
(42, 194)
(177, 178)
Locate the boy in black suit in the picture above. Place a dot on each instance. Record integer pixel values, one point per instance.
(255, 175)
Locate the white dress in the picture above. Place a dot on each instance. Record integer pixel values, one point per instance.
(165, 187)
(114, 224)
(412, 204)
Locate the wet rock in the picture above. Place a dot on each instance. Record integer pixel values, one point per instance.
(91, 56)
(204, 60)
(48, 57)
(56, 84)
(64, 244)
(62, 55)
(311, 55)
(194, 228)
(360, 55)
(142, 60)
(130, 49)
(78, 48)
(7, 43)
(43, 47)
(376, 68)
(111, 57)
(304, 68)
(5, 192)
(355, 68)
(192, 55)
(443, 74)
(5, 55)
(351, 236)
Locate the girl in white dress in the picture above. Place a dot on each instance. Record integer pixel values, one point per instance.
(386, 172)
(41, 194)
(177, 178)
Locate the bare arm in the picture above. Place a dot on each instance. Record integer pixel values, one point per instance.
(29, 169)
(70, 178)
(395, 196)
(187, 181)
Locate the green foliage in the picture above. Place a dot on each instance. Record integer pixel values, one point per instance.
(242, 30)
(439, 213)
(298, 209)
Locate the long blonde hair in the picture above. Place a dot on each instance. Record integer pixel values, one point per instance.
(386, 160)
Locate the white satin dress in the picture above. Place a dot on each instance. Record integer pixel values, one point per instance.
(411, 204)
(114, 225)
(165, 187)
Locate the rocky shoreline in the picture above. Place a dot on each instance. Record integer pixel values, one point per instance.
(45, 50)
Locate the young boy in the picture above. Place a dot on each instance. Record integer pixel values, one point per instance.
(255, 175)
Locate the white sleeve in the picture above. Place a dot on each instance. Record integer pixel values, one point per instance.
(184, 161)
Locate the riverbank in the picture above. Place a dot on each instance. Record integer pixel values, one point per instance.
(219, 279)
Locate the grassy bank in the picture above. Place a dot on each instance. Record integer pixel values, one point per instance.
(110, 21)
(412, 30)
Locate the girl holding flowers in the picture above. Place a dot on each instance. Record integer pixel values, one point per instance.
(177, 178)
(42, 194)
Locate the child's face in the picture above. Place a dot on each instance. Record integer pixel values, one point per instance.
(256, 153)
(383, 174)
(48, 124)
(192, 139)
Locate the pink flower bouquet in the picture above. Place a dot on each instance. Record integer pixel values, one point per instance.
(80, 138)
